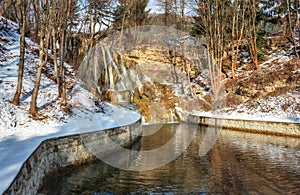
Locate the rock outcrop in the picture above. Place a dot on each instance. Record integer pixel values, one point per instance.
(162, 83)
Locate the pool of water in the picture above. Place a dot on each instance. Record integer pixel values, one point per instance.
(238, 163)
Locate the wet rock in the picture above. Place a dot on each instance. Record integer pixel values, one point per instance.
(156, 75)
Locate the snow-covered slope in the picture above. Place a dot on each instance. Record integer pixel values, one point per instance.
(13, 118)
(20, 134)
(270, 93)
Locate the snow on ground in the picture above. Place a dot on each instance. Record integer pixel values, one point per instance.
(12, 117)
(272, 108)
(244, 116)
(20, 135)
(274, 58)
(282, 108)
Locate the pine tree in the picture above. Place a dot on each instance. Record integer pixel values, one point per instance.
(130, 13)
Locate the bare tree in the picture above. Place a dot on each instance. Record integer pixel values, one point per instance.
(43, 6)
(65, 9)
(53, 19)
(36, 17)
(297, 31)
(212, 16)
(100, 17)
(6, 5)
(251, 30)
(166, 6)
(8, 9)
(182, 6)
(22, 5)
(238, 26)
(290, 26)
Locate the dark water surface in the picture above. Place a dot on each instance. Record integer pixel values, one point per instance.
(239, 163)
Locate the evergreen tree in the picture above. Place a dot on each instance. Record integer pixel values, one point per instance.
(130, 13)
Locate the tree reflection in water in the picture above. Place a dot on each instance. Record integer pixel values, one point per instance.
(239, 163)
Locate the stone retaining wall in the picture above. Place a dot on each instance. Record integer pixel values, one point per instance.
(57, 153)
(265, 127)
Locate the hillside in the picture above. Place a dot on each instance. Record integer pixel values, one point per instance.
(271, 91)
(54, 116)
(20, 133)
(13, 117)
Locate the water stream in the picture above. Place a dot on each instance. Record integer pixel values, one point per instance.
(239, 163)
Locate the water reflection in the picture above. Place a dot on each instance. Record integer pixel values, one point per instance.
(151, 155)
(239, 163)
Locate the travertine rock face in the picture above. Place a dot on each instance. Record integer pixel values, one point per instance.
(159, 62)
(161, 80)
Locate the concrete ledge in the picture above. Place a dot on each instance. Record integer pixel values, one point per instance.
(264, 127)
(54, 154)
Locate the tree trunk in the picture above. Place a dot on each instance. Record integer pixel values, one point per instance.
(252, 32)
(62, 84)
(22, 53)
(166, 12)
(48, 33)
(53, 13)
(234, 18)
(62, 89)
(239, 32)
(291, 27)
(298, 19)
(35, 20)
(5, 8)
(33, 109)
(44, 19)
(182, 15)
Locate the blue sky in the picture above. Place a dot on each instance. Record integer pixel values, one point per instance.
(156, 9)
(153, 6)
